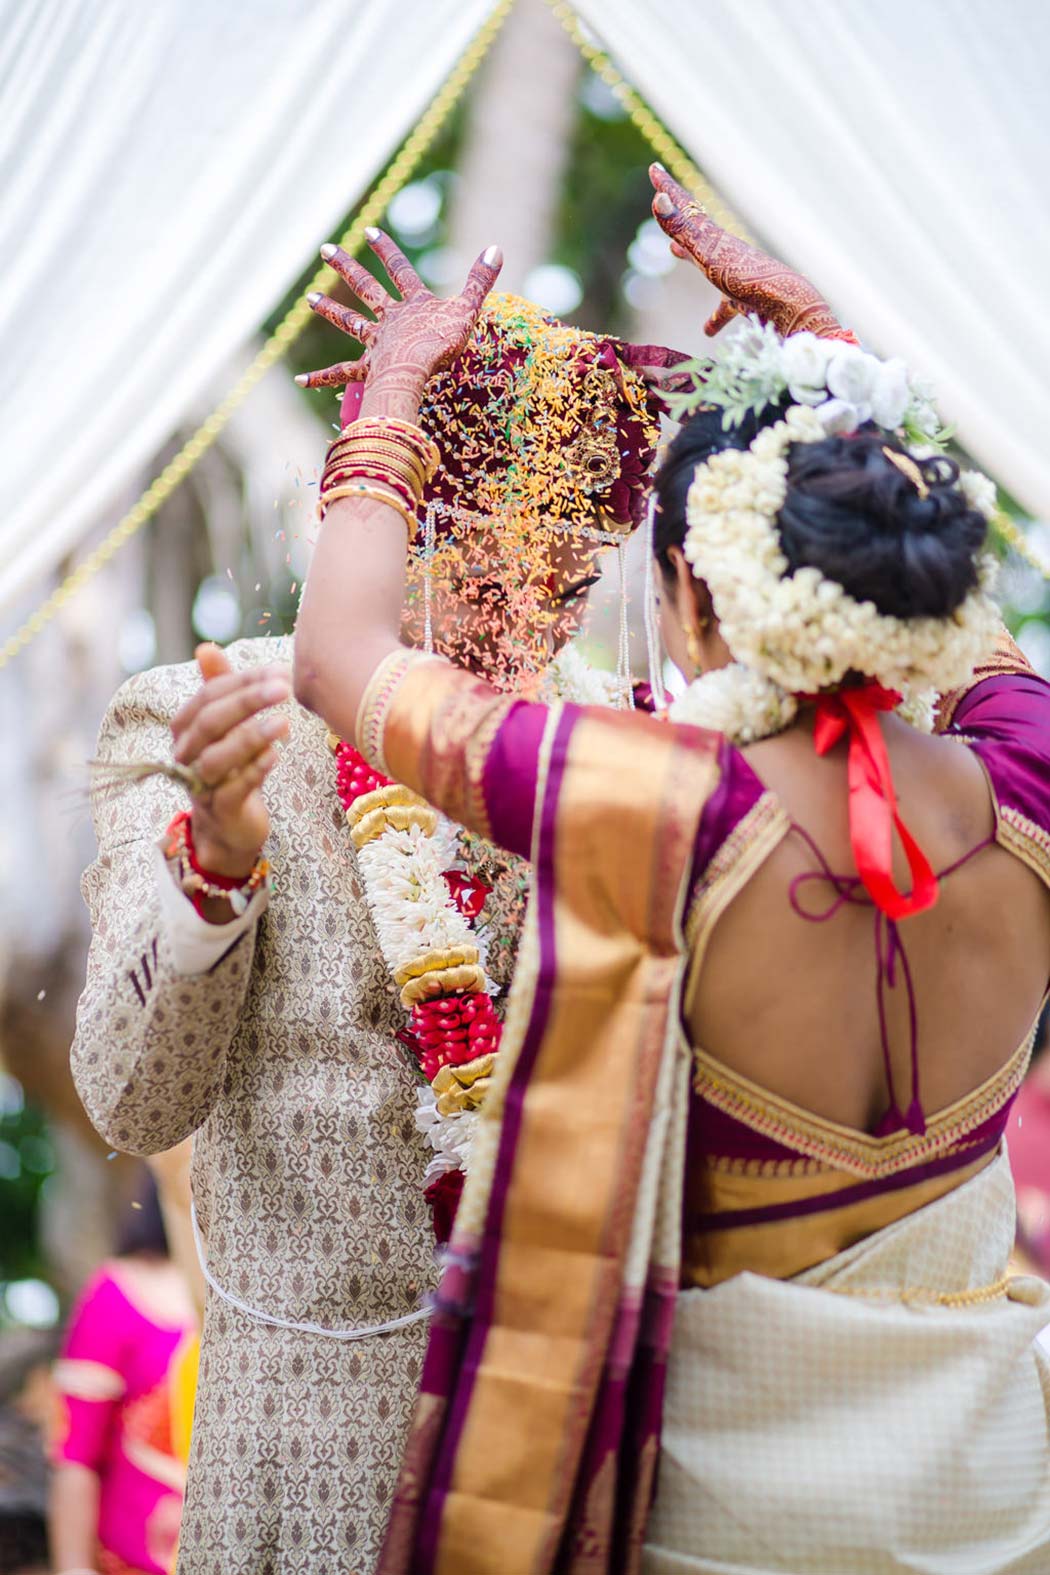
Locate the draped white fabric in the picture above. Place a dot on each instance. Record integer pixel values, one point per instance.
(898, 154)
(166, 171)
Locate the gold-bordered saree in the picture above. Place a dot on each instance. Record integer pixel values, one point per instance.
(907, 1361)
(536, 1432)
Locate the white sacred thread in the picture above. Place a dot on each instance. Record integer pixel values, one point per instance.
(289, 1323)
(652, 622)
(623, 660)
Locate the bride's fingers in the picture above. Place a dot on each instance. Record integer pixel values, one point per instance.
(482, 277)
(665, 182)
(675, 222)
(343, 317)
(335, 376)
(395, 262)
(723, 313)
(365, 285)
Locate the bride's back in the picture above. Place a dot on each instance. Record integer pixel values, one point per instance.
(791, 1003)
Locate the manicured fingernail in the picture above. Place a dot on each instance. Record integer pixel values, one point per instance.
(303, 379)
(663, 205)
(656, 165)
(313, 297)
(371, 233)
(492, 257)
(328, 250)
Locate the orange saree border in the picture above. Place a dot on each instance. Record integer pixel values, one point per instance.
(511, 1465)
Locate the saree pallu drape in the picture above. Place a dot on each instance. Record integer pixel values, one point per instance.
(536, 1432)
(882, 1414)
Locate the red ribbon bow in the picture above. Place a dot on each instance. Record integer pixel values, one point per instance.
(873, 812)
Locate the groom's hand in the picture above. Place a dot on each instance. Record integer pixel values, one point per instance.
(227, 732)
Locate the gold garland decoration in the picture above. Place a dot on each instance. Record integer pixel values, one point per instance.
(667, 150)
(280, 341)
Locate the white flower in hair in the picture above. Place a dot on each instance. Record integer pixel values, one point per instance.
(736, 701)
(979, 492)
(890, 395)
(839, 418)
(804, 362)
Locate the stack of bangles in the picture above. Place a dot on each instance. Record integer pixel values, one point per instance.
(200, 884)
(388, 460)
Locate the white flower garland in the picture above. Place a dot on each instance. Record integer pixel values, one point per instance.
(802, 631)
(736, 701)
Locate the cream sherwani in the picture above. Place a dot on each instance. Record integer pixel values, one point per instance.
(308, 1168)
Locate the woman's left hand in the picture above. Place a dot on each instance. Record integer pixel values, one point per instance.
(749, 279)
(411, 338)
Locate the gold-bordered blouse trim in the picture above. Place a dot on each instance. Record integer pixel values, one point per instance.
(846, 1148)
(747, 846)
(1025, 839)
(378, 698)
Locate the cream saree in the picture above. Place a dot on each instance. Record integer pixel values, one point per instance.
(883, 1413)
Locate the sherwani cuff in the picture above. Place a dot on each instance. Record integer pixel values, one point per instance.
(195, 945)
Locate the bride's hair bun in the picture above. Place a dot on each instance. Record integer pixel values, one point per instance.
(859, 518)
(849, 512)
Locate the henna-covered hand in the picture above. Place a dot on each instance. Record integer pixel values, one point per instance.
(750, 279)
(412, 337)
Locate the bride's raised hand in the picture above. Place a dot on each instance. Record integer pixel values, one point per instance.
(411, 334)
(749, 279)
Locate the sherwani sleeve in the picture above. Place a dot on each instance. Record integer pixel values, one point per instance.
(149, 1052)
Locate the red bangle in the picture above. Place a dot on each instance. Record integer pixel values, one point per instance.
(198, 883)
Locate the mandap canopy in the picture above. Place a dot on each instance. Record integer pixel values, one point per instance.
(166, 169)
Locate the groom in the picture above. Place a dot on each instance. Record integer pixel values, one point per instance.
(272, 1033)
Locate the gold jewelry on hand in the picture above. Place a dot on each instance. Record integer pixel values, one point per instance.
(374, 490)
(406, 432)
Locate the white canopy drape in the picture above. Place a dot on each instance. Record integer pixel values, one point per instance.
(166, 171)
(897, 153)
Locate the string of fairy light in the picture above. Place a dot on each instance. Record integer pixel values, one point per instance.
(371, 212)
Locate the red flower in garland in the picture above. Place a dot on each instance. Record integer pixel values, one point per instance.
(468, 894)
(443, 1195)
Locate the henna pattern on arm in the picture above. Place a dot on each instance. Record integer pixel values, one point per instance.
(749, 278)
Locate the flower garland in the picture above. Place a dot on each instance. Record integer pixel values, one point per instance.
(429, 914)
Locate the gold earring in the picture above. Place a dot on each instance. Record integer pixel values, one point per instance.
(693, 646)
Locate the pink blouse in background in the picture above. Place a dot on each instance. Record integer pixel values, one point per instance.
(116, 1419)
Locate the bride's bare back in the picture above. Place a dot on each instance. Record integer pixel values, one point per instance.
(791, 1004)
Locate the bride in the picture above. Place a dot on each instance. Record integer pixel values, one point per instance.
(738, 1203)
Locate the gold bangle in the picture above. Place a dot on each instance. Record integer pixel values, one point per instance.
(378, 440)
(378, 493)
(392, 464)
(368, 473)
(372, 470)
(394, 459)
(378, 426)
(340, 452)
